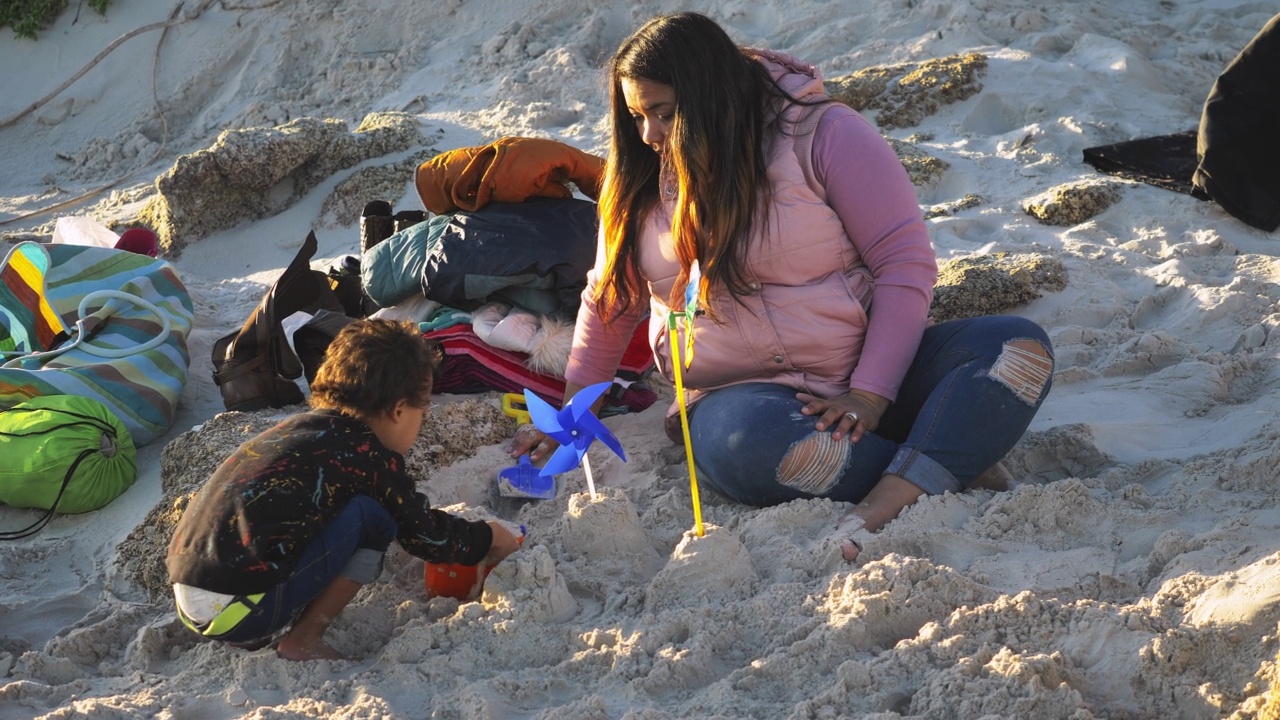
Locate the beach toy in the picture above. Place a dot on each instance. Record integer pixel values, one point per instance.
(575, 427)
(523, 480)
(691, 293)
(513, 406)
(451, 580)
(460, 581)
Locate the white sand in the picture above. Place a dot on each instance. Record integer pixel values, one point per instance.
(1134, 573)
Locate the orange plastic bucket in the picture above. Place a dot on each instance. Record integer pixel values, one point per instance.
(458, 581)
(452, 580)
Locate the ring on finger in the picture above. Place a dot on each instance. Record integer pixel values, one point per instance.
(852, 416)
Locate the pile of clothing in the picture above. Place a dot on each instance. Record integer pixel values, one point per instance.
(493, 270)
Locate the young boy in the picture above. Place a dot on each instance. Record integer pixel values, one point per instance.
(299, 517)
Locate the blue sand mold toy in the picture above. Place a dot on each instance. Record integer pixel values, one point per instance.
(524, 480)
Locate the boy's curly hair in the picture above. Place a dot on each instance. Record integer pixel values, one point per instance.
(372, 364)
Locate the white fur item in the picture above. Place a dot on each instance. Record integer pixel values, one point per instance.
(545, 339)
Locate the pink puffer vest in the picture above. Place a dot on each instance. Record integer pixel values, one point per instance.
(804, 322)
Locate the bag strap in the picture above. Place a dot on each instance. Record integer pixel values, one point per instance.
(85, 329)
(39, 524)
(43, 520)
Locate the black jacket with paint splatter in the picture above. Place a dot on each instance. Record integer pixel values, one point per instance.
(250, 522)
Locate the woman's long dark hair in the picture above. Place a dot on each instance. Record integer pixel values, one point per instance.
(726, 102)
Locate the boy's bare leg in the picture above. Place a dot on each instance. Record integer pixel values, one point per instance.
(305, 640)
(885, 501)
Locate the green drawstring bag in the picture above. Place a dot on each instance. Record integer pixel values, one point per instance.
(62, 454)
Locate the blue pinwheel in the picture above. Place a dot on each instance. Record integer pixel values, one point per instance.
(691, 310)
(575, 428)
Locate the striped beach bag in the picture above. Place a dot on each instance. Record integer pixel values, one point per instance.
(98, 323)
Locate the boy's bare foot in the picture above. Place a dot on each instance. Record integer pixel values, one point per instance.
(291, 648)
(305, 639)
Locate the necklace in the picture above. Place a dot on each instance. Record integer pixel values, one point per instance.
(667, 181)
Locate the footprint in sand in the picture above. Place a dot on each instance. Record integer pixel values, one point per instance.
(1057, 453)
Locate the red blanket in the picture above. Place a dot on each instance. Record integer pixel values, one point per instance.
(473, 366)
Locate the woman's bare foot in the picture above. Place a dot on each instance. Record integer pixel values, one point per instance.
(997, 477)
(884, 503)
(847, 526)
(294, 648)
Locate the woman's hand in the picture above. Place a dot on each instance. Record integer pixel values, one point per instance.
(531, 440)
(853, 414)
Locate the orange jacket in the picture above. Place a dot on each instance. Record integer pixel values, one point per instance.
(512, 169)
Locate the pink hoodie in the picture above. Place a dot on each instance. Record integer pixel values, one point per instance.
(816, 271)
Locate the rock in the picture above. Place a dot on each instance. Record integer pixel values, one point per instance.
(343, 206)
(952, 207)
(923, 169)
(452, 431)
(1073, 203)
(907, 93)
(256, 172)
(991, 284)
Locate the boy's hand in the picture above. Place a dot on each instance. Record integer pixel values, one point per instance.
(506, 540)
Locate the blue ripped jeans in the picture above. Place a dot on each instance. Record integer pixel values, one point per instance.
(351, 546)
(953, 419)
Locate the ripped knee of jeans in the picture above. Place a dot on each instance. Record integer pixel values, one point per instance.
(1024, 366)
(815, 463)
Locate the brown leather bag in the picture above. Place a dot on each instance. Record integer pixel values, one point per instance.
(254, 367)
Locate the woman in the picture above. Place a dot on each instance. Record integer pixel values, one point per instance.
(815, 371)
